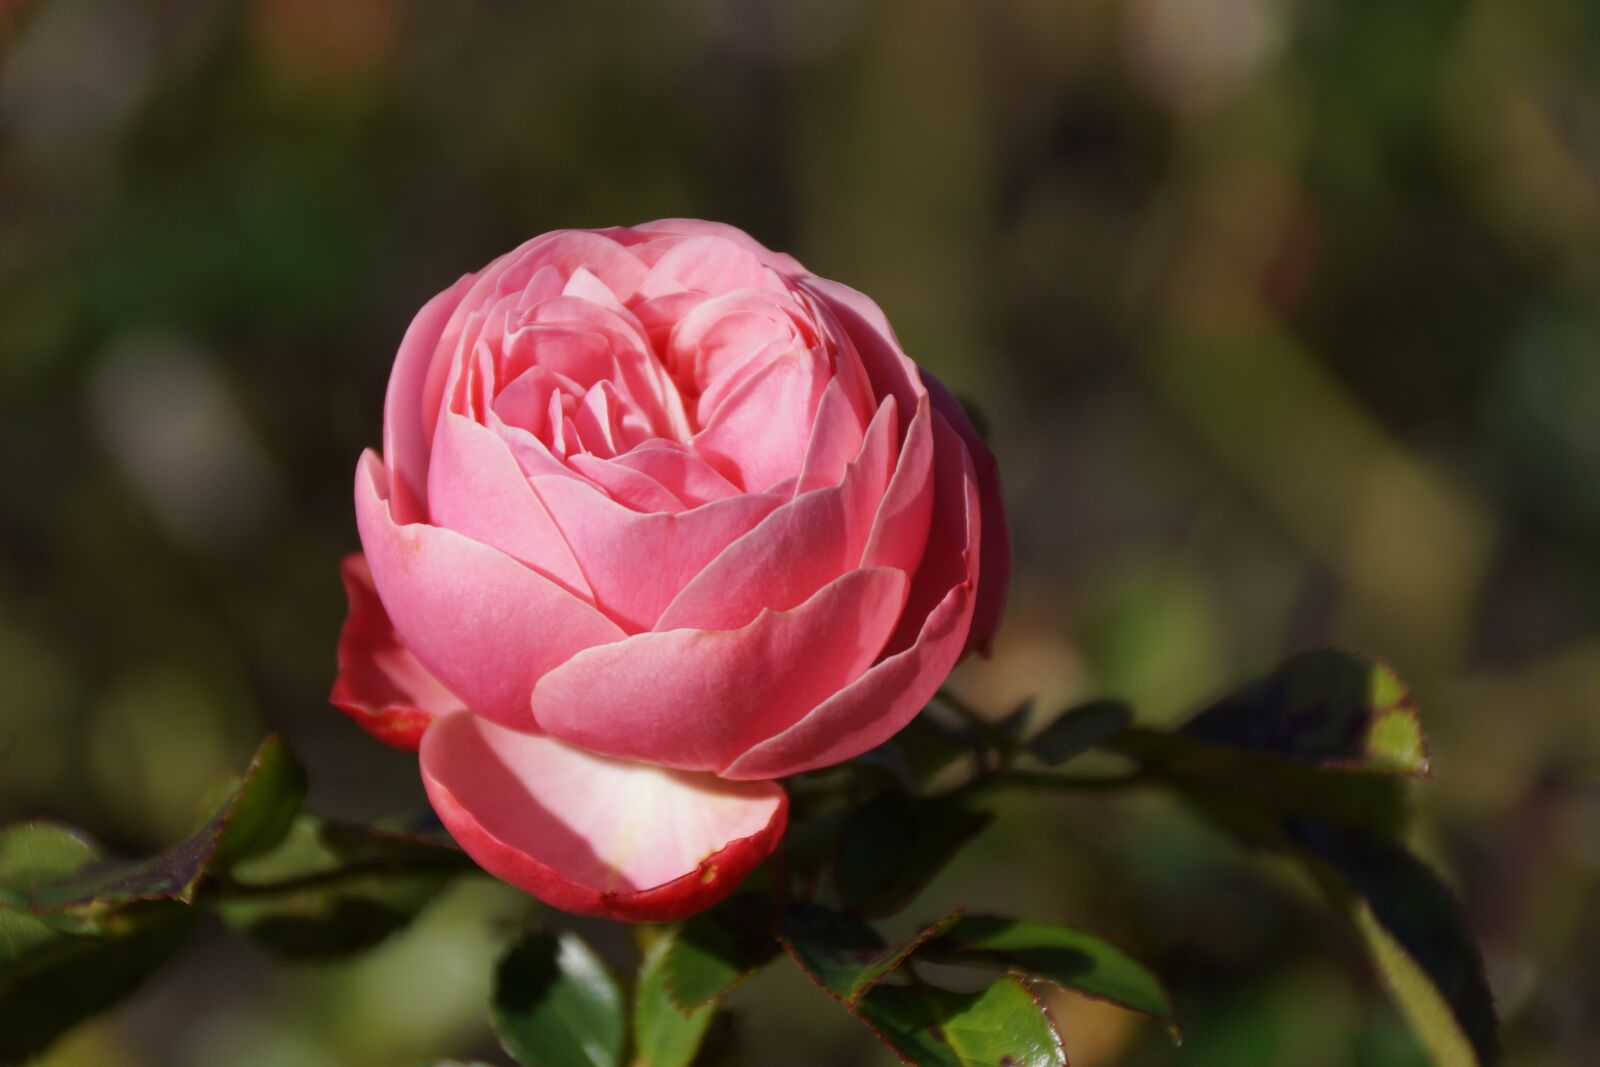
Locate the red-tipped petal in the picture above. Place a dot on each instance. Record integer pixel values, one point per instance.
(592, 835)
(381, 685)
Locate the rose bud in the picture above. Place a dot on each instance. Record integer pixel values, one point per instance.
(660, 517)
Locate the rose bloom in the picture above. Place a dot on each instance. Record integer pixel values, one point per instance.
(660, 517)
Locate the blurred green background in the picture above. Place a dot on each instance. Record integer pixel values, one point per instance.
(1285, 315)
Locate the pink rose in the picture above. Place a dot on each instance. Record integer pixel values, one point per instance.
(660, 517)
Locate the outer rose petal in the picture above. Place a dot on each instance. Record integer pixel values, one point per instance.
(407, 427)
(381, 685)
(485, 625)
(695, 699)
(890, 370)
(592, 835)
(877, 705)
(994, 569)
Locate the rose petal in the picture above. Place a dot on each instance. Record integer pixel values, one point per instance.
(476, 488)
(485, 625)
(714, 341)
(407, 422)
(381, 685)
(891, 371)
(757, 436)
(571, 250)
(581, 356)
(994, 570)
(836, 437)
(636, 562)
(779, 261)
(796, 550)
(686, 475)
(900, 528)
(695, 699)
(877, 705)
(711, 264)
(628, 487)
(592, 835)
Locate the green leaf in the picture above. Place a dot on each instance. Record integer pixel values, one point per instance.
(36, 852)
(1324, 707)
(1010, 727)
(842, 953)
(665, 1033)
(1057, 954)
(254, 817)
(263, 806)
(1079, 729)
(556, 1005)
(930, 744)
(1327, 735)
(1417, 936)
(51, 980)
(1005, 1024)
(53, 976)
(1251, 793)
(719, 948)
(330, 890)
(896, 844)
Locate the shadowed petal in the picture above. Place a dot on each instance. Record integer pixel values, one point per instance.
(381, 685)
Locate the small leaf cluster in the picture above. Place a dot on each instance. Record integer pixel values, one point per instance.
(80, 929)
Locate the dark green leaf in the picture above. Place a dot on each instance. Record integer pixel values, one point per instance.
(1057, 954)
(889, 759)
(842, 953)
(1323, 707)
(1010, 727)
(665, 1033)
(1250, 793)
(717, 949)
(330, 890)
(264, 803)
(52, 976)
(556, 1005)
(32, 853)
(895, 845)
(930, 744)
(262, 808)
(812, 840)
(1418, 937)
(36, 852)
(1079, 729)
(1005, 1024)
(51, 980)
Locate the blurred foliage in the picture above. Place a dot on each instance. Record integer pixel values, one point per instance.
(1284, 314)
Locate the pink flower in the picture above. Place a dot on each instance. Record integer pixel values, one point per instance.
(660, 517)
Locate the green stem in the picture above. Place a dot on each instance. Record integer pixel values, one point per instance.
(230, 887)
(967, 712)
(993, 740)
(1044, 782)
